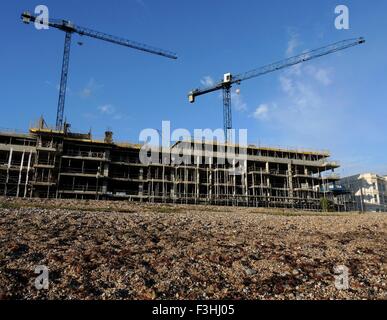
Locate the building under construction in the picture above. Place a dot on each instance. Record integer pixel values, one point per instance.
(48, 163)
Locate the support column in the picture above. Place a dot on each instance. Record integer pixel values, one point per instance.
(27, 174)
(290, 182)
(173, 179)
(234, 178)
(141, 185)
(210, 178)
(163, 182)
(245, 181)
(197, 184)
(20, 174)
(8, 167)
(253, 189)
(105, 175)
(268, 189)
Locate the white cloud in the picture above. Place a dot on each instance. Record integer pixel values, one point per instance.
(207, 81)
(261, 113)
(302, 105)
(301, 85)
(302, 108)
(293, 42)
(86, 92)
(322, 75)
(312, 115)
(109, 110)
(57, 87)
(295, 70)
(91, 87)
(237, 102)
(286, 84)
(106, 109)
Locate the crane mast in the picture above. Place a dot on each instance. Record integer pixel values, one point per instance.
(229, 79)
(70, 28)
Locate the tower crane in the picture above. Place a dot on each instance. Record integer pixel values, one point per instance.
(70, 28)
(229, 79)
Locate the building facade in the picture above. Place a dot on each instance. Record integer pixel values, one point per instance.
(60, 164)
(369, 191)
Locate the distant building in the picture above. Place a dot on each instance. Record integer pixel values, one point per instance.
(369, 190)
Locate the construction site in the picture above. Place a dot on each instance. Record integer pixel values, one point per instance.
(47, 163)
(56, 163)
(211, 216)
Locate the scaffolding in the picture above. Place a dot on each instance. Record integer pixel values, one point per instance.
(53, 164)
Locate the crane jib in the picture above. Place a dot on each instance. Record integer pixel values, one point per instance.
(69, 28)
(124, 42)
(228, 80)
(313, 54)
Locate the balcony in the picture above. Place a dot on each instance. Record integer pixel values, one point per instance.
(332, 176)
(43, 183)
(85, 155)
(46, 146)
(330, 164)
(80, 189)
(44, 164)
(92, 173)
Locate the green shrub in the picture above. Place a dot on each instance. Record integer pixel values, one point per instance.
(327, 205)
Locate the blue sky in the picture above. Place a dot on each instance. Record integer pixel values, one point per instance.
(337, 102)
